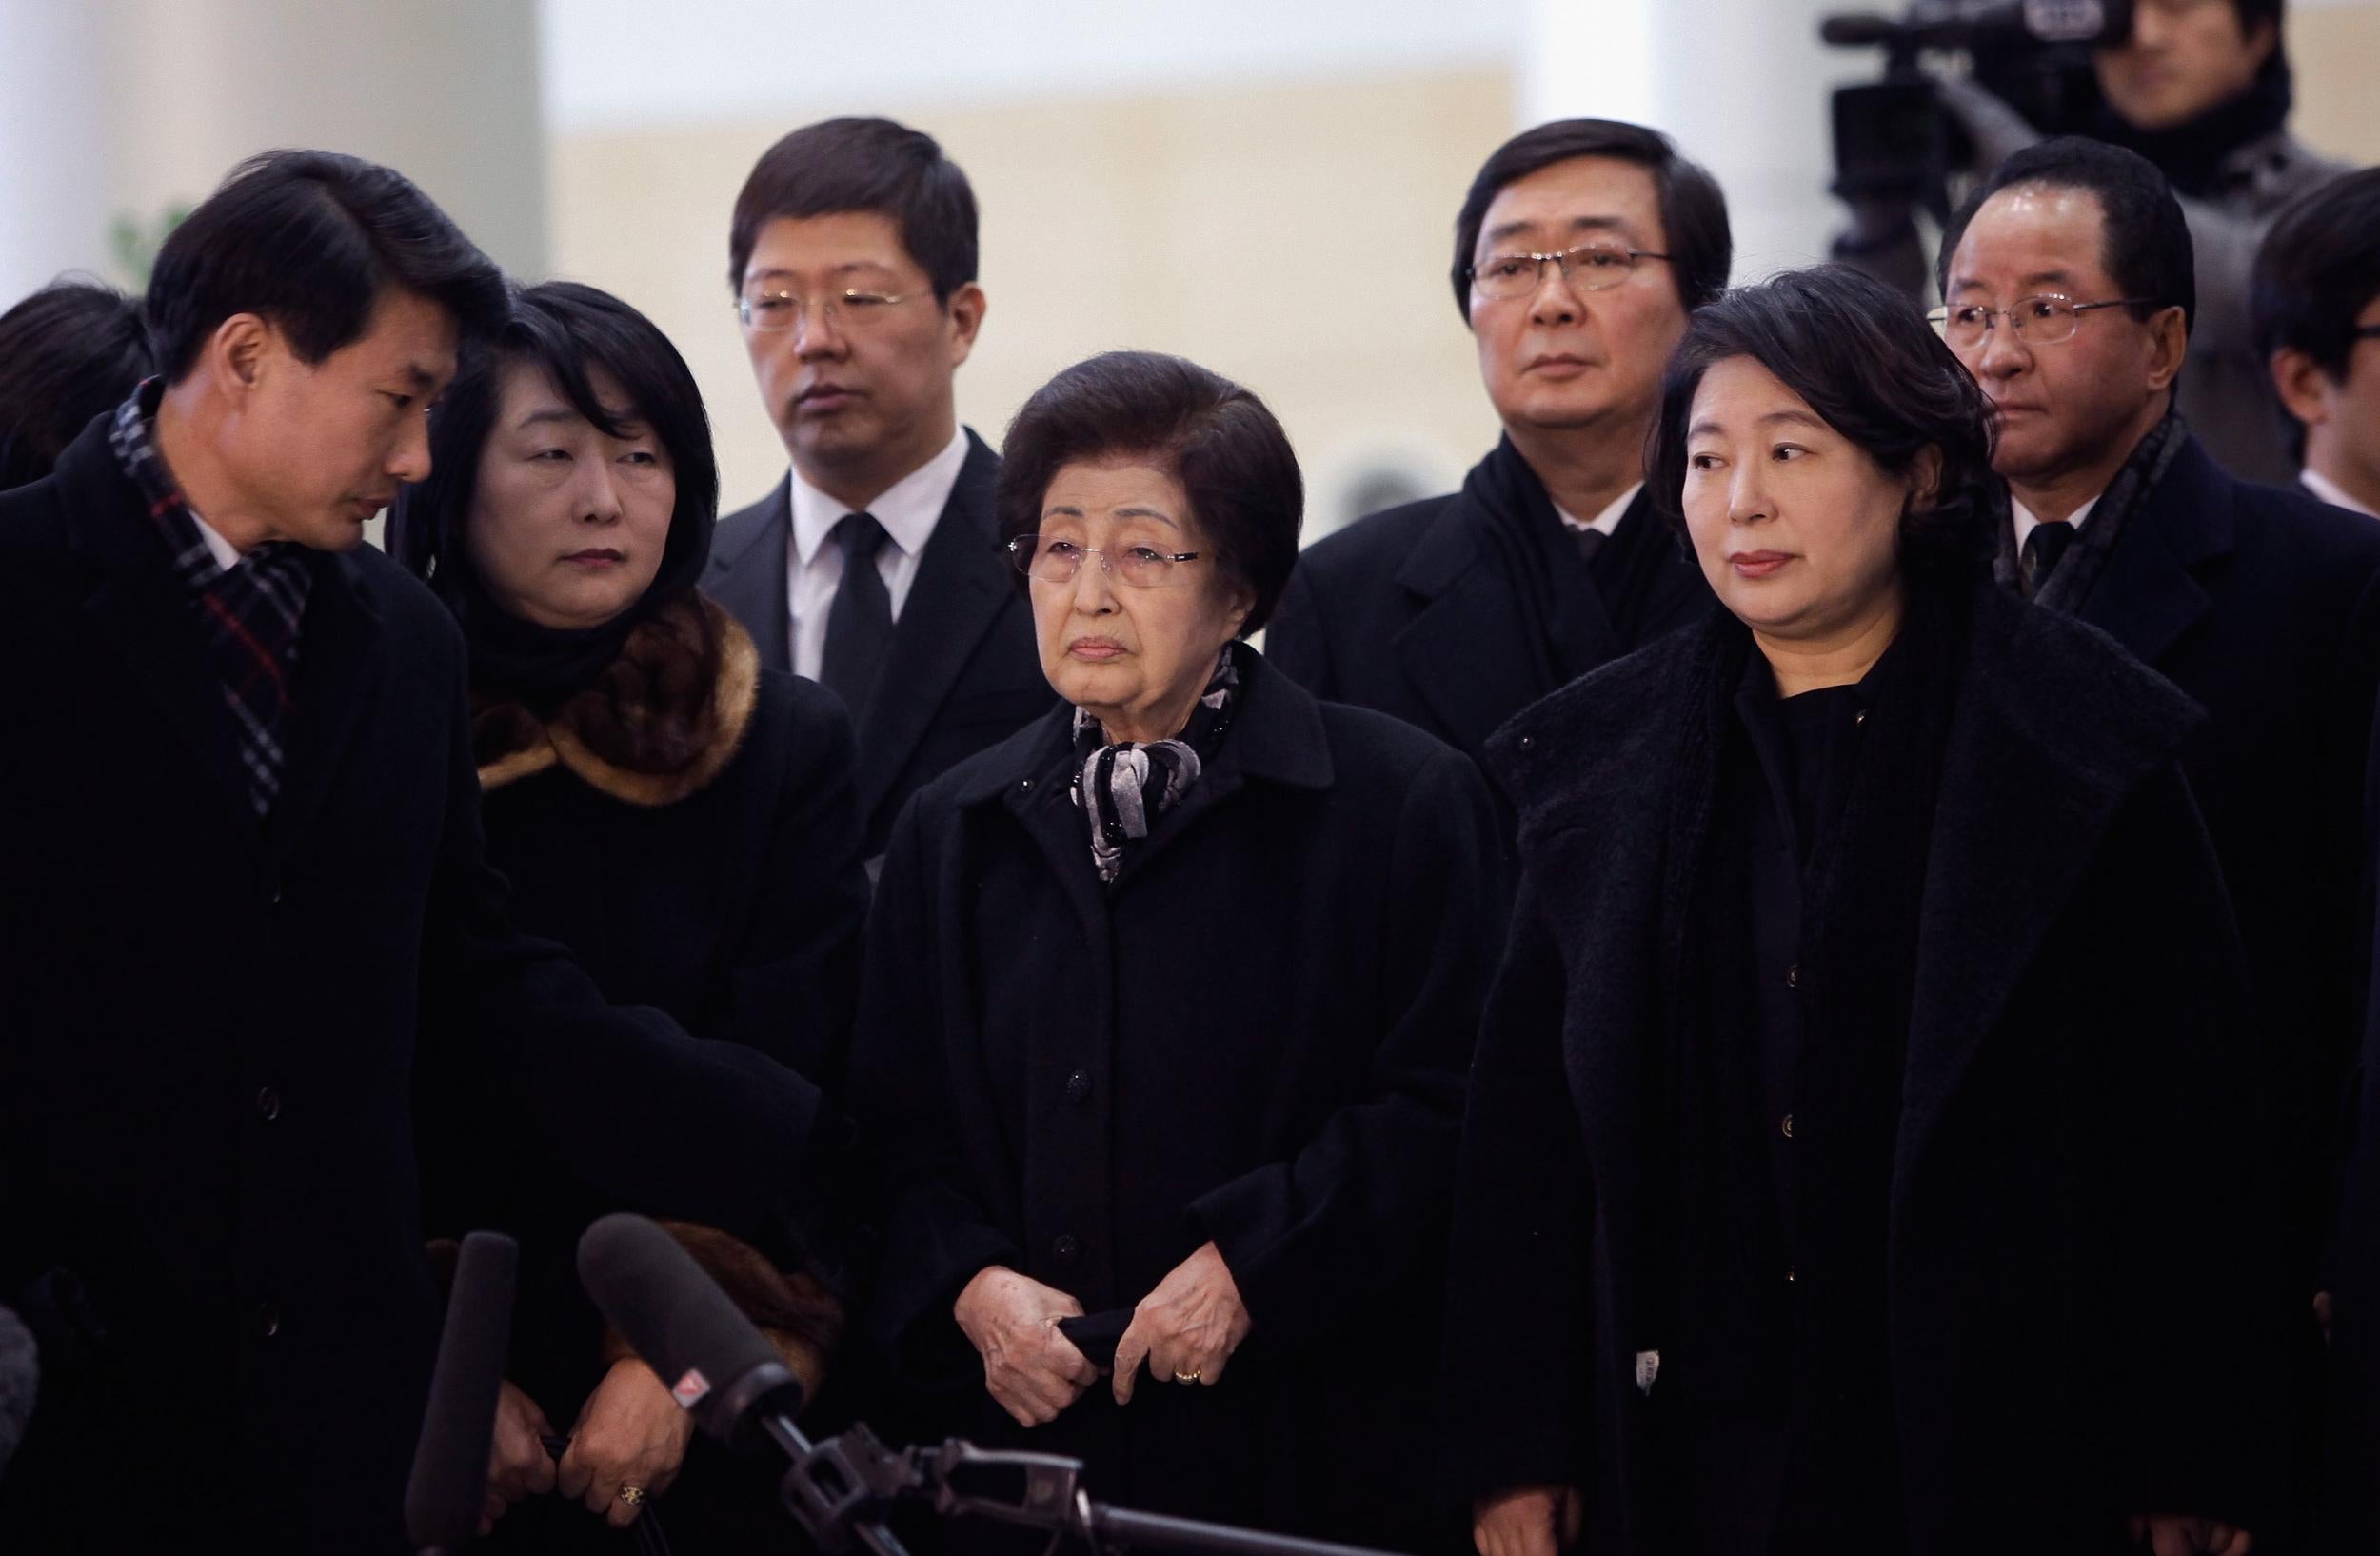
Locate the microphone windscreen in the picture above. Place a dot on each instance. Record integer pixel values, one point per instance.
(20, 1379)
(682, 1325)
(449, 1480)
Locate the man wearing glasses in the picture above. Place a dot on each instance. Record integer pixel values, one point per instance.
(2069, 289)
(1578, 252)
(875, 565)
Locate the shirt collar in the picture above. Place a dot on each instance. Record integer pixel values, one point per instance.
(2331, 492)
(2027, 522)
(1604, 523)
(908, 508)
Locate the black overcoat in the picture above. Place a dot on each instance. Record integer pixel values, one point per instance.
(962, 671)
(2081, 1314)
(2263, 606)
(1257, 1037)
(1414, 612)
(205, 1116)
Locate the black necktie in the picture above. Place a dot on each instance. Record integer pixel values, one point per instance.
(859, 623)
(1590, 542)
(2046, 543)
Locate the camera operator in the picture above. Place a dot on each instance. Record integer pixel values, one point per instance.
(2200, 88)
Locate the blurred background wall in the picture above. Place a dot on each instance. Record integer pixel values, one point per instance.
(1266, 185)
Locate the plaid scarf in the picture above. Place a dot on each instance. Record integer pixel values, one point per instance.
(2070, 586)
(1122, 789)
(249, 613)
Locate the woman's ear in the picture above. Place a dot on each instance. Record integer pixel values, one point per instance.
(1924, 478)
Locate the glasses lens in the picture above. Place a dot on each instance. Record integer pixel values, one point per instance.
(1144, 567)
(1505, 275)
(1598, 265)
(769, 311)
(1965, 325)
(2043, 320)
(1046, 557)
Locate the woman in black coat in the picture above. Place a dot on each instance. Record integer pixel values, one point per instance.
(684, 821)
(1167, 1005)
(1855, 1155)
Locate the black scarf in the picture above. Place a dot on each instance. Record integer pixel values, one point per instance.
(1565, 602)
(2071, 583)
(1738, 1340)
(1124, 787)
(2191, 155)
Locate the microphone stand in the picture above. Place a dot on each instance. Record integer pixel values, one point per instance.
(839, 1489)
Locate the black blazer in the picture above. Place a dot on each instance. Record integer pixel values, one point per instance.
(1256, 1036)
(964, 670)
(205, 1110)
(2263, 606)
(1411, 612)
(2082, 1324)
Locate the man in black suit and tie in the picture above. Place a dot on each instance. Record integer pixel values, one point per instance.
(2069, 287)
(1578, 252)
(875, 565)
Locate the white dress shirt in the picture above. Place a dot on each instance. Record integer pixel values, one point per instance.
(1604, 523)
(908, 510)
(217, 546)
(2027, 523)
(2331, 492)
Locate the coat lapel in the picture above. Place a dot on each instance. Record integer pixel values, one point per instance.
(2148, 595)
(143, 613)
(961, 587)
(1468, 637)
(747, 573)
(337, 684)
(2052, 737)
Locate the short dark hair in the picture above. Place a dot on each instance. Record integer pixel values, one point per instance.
(1693, 212)
(841, 164)
(310, 240)
(73, 350)
(1860, 354)
(1229, 453)
(2146, 250)
(2319, 267)
(569, 332)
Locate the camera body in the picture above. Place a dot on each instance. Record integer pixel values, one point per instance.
(1894, 142)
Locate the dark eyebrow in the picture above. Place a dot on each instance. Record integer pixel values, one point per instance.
(2039, 278)
(549, 414)
(1578, 223)
(419, 378)
(1128, 511)
(1800, 417)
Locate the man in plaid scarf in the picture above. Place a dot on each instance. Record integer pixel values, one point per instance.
(248, 912)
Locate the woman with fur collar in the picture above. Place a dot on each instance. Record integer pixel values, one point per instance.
(681, 819)
(1860, 1155)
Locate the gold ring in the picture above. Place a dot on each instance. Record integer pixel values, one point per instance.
(632, 1494)
(1191, 1376)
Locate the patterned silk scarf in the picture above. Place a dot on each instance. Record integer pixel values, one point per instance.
(1124, 787)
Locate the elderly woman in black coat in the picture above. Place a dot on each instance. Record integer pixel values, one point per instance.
(684, 821)
(1167, 1005)
(1856, 1154)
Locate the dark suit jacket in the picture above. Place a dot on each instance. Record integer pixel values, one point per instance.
(2078, 1069)
(1256, 1036)
(2263, 606)
(1412, 611)
(964, 672)
(206, 1113)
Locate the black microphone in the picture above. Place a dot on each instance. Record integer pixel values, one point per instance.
(20, 1381)
(714, 1361)
(449, 1482)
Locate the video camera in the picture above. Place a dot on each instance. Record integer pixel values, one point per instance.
(1892, 138)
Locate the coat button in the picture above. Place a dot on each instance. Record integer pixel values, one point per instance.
(1860, 720)
(1065, 1250)
(1024, 782)
(1787, 1127)
(269, 1105)
(1528, 743)
(1078, 1085)
(268, 1319)
(1793, 975)
(1789, 1274)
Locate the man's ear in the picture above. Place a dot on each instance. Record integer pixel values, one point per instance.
(2299, 381)
(2168, 338)
(965, 311)
(236, 354)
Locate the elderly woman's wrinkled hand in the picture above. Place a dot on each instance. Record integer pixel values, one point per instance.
(1187, 1328)
(632, 1437)
(1031, 1369)
(518, 1465)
